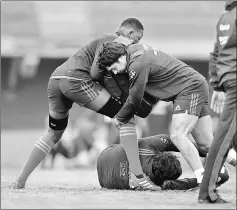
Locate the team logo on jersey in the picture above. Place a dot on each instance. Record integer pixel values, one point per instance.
(124, 169)
(223, 40)
(164, 140)
(131, 74)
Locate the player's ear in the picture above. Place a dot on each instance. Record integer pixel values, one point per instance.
(130, 33)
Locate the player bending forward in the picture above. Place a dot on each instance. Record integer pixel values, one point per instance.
(161, 166)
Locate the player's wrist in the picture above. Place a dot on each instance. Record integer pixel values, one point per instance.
(117, 123)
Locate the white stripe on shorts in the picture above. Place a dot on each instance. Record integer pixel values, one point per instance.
(90, 92)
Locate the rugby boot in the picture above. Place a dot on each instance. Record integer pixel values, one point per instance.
(143, 183)
(16, 185)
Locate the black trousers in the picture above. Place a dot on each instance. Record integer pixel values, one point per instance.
(224, 139)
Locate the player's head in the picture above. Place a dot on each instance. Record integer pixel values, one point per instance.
(113, 57)
(229, 4)
(165, 167)
(131, 28)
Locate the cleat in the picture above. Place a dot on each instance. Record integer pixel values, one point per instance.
(195, 189)
(218, 200)
(223, 176)
(16, 185)
(143, 183)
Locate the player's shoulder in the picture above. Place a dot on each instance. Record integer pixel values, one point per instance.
(135, 48)
(107, 37)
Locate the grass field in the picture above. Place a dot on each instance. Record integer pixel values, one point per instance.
(79, 189)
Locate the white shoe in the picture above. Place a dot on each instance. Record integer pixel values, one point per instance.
(143, 183)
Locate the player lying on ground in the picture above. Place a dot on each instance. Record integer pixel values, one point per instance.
(166, 78)
(71, 83)
(162, 167)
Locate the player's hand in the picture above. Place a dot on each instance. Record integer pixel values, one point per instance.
(218, 101)
(117, 123)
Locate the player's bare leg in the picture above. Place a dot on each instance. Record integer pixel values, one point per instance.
(39, 151)
(128, 138)
(99, 101)
(182, 124)
(203, 135)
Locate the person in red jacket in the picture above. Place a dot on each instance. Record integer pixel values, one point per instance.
(222, 69)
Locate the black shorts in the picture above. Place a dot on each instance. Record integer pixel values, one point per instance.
(75, 86)
(193, 100)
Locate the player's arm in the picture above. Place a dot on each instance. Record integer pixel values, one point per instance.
(169, 146)
(179, 184)
(213, 68)
(138, 77)
(158, 143)
(214, 81)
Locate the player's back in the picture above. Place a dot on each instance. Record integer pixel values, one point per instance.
(167, 75)
(84, 57)
(151, 146)
(113, 168)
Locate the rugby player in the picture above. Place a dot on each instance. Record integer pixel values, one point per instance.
(168, 79)
(71, 83)
(222, 69)
(162, 167)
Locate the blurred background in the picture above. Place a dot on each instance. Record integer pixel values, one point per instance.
(37, 36)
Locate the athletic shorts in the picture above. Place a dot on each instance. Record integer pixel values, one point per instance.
(113, 168)
(74, 86)
(193, 100)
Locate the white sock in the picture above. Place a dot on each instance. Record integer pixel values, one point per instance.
(231, 156)
(199, 174)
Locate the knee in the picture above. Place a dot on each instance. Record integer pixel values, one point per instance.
(53, 135)
(177, 135)
(203, 150)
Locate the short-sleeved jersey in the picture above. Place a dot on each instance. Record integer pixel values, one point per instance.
(222, 65)
(113, 166)
(84, 58)
(156, 73)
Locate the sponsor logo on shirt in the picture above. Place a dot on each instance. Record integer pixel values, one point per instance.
(124, 169)
(177, 108)
(224, 27)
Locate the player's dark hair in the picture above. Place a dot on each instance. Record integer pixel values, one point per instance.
(135, 23)
(166, 166)
(110, 53)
